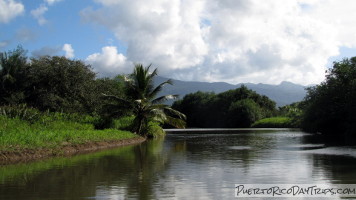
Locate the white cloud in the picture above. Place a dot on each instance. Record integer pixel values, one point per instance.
(69, 51)
(109, 62)
(163, 32)
(50, 2)
(236, 41)
(10, 9)
(38, 14)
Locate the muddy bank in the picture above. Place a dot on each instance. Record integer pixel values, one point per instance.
(26, 155)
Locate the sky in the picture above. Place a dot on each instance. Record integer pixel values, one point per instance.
(234, 41)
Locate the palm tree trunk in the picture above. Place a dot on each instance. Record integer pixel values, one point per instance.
(139, 126)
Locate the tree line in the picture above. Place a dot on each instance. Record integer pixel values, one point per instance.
(329, 108)
(234, 108)
(58, 84)
(53, 83)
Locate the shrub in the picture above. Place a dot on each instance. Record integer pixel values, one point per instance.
(243, 113)
(20, 112)
(154, 130)
(124, 123)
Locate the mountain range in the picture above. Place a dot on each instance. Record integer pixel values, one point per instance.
(283, 94)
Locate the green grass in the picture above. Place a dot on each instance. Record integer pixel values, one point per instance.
(17, 134)
(274, 122)
(123, 123)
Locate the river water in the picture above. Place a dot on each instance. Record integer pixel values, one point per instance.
(193, 165)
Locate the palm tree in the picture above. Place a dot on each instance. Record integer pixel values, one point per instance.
(11, 64)
(142, 102)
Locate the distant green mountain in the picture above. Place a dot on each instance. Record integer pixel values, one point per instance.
(283, 94)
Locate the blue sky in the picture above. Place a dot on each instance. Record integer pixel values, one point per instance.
(205, 40)
(63, 26)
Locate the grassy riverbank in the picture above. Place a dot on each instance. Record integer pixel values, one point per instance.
(28, 134)
(275, 122)
(17, 134)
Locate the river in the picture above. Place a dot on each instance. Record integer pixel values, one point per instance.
(194, 165)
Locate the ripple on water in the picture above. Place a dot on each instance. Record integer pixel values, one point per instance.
(337, 151)
(304, 146)
(240, 147)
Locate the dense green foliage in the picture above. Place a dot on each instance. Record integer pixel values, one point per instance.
(288, 116)
(274, 122)
(55, 83)
(48, 88)
(12, 82)
(140, 100)
(294, 112)
(234, 108)
(330, 107)
(54, 100)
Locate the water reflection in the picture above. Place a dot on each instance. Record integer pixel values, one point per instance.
(103, 174)
(183, 166)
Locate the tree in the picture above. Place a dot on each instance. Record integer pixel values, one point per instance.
(60, 84)
(330, 106)
(142, 102)
(113, 86)
(243, 113)
(12, 78)
(196, 106)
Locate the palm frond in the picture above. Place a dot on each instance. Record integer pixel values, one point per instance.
(158, 115)
(154, 73)
(159, 88)
(178, 123)
(132, 91)
(140, 76)
(143, 82)
(174, 112)
(157, 106)
(164, 98)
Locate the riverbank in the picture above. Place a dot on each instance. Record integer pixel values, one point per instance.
(27, 154)
(55, 134)
(276, 122)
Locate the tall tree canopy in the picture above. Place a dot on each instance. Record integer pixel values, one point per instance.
(330, 107)
(60, 84)
(53, 83)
